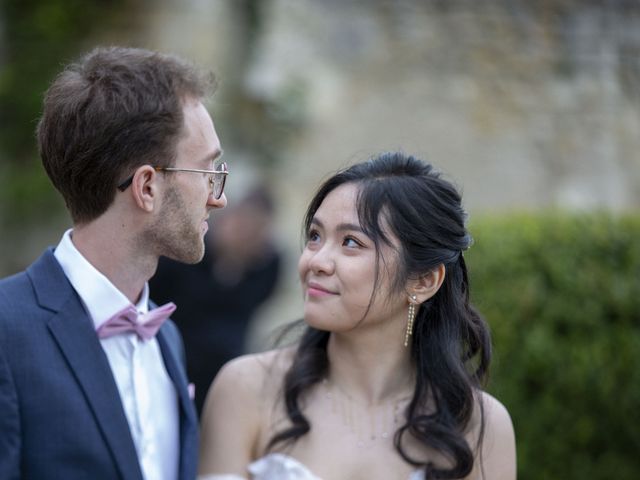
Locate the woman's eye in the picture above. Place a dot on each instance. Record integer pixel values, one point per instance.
(313, 236)
(351, 242)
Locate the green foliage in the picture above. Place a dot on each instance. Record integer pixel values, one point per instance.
(562, 296)
(39, 37)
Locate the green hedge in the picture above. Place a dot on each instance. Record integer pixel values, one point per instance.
(39, 37)
(562, 295)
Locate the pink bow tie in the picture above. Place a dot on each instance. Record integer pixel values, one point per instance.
(146, 325)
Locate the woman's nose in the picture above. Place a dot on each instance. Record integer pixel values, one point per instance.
(322, 261)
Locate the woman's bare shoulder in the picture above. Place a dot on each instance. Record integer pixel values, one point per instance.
(498, 447)
(496, 414)
(251, 374)
(237, 409)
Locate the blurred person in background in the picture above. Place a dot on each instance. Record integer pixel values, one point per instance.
(219, 296)
(92, 380)
(386, 381)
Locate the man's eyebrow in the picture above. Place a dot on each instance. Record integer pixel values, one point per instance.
(214, 156)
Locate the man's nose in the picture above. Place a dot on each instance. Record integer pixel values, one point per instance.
(214, 202)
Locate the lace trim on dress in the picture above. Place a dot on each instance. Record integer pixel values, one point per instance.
(277, 466)
(282, 467)
(223, 476)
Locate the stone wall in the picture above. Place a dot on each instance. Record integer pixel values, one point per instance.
(524, 107)
(525, 104)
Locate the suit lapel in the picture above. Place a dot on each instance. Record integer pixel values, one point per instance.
(188, 419)
(73, 331)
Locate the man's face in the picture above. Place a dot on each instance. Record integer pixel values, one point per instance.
(187, 200)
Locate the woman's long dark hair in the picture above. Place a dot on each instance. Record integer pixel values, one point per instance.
(450, 346)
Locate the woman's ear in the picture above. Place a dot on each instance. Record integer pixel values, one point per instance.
(427, 285)
(143, 187)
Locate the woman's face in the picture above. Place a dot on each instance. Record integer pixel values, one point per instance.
(338, 269)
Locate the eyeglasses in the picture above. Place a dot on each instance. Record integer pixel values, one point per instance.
(217, 178)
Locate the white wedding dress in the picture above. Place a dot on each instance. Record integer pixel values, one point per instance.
(276, 466)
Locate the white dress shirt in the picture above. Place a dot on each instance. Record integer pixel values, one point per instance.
(147, 393)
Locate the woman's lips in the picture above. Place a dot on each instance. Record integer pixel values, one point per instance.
(316, 290)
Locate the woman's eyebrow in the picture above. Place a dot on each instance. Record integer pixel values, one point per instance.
(342, 227)
(349, 227)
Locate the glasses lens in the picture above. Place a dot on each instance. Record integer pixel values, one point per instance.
(219, 164)
(217, 183)
(218, 179)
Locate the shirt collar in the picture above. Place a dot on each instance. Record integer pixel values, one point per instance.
(100, 297)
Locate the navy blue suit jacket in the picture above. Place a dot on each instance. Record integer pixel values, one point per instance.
(60, 410)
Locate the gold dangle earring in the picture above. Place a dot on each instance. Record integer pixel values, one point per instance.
(410, 317)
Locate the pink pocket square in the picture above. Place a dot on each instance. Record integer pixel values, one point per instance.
(191, 388)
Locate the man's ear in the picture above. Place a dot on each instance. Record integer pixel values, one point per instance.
(427, 285)
(144, 189)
